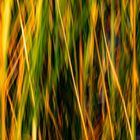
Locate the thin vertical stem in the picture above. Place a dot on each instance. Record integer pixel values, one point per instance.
(134, 74)
(112, 53)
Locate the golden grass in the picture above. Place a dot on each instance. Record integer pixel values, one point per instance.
(69, 69)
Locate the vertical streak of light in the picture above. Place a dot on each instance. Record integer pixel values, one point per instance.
(134, 74)
(5, 25)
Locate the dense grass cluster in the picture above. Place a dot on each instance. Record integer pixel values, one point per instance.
(69, 69)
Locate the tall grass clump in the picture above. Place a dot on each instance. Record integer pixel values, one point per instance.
(69, 69)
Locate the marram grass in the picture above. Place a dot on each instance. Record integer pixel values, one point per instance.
(69, 69)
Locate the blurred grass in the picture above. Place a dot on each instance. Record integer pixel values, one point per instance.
(69, 69)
